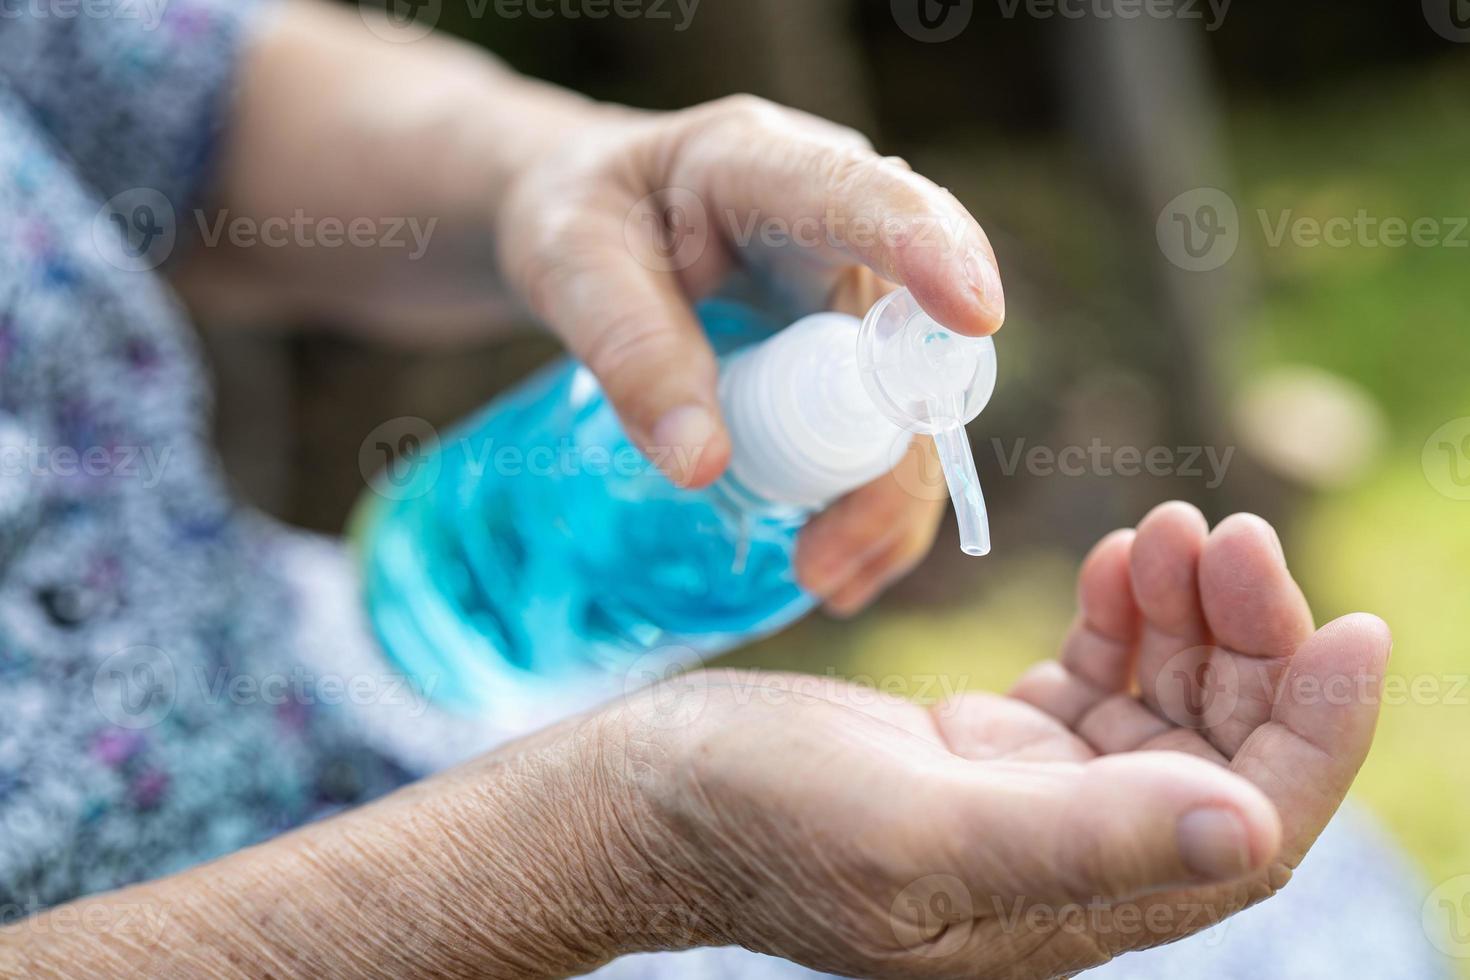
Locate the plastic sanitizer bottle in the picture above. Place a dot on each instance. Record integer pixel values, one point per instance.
(494, 572)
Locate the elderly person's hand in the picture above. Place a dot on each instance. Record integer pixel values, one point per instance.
(612, 235)
(608, 223)
(1169, 769)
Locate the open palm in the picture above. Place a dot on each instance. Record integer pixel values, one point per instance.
(1168, 769)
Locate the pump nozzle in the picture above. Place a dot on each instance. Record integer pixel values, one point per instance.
(932, 381)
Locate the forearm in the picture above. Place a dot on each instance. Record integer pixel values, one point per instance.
(417, 143)
(502, 868)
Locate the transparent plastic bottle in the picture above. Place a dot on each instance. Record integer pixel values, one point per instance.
(542, 544)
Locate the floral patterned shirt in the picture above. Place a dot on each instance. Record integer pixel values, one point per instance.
(153, 710)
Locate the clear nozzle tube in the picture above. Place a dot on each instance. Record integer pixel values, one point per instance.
(964, 490)
(932, 382)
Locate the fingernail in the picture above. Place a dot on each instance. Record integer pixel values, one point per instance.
(1214, 844)
(679, 437)
(984, 279)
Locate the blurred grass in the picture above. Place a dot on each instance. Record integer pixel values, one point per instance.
(1392, 320)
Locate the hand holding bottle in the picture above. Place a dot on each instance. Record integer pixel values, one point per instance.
(619, 289)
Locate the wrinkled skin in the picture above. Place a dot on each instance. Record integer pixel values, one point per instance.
(1030, 835)
(612, 235)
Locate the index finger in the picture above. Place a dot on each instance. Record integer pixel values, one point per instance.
(774, 164)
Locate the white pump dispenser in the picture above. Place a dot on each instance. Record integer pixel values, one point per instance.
(830, 403)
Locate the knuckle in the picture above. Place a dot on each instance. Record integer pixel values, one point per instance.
(751, 109)
(847, 170)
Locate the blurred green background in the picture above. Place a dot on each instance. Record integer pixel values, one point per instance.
(1337, 373)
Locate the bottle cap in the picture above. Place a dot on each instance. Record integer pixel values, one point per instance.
(932, 381)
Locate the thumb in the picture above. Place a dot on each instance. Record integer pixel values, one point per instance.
(1123, 826)
(633, 328)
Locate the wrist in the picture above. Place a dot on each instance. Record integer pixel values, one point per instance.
(514, 124)
(542, 855)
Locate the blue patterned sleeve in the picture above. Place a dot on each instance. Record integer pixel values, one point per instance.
(134, 92)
